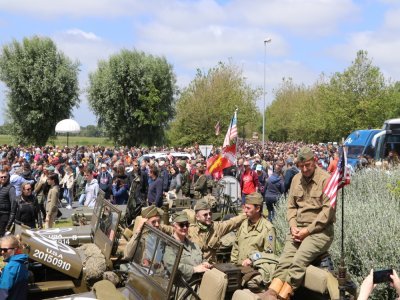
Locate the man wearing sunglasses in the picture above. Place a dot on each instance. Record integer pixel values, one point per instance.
(14, 276)
(8, 205)
(207, 234)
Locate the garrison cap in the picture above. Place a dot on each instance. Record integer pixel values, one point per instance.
(50, 168)
(254, 198)
(180, 217)
(305, 154)
(151, 211)
(202, 204)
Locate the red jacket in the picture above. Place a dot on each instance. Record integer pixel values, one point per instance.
(255, 179)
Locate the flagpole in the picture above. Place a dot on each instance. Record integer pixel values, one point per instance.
(342, 268)
(237, 136)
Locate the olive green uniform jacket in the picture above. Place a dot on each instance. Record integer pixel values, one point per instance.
(309, 208)
(52, 201)
(307, 205)
(191, 257)
(253, 238)
(200, 186)
(209, 237)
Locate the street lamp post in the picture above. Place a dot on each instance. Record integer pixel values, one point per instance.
(268, 40)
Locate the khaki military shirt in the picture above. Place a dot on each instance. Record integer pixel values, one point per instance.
(252, 238)
(191, 257)
(307, 205)
(209, 239)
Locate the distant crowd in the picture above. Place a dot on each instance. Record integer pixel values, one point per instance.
(39, 177)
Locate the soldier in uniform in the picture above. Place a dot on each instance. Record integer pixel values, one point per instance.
(151, 215)
(207, 234)
(311, 221)
(200, 185)
(191, 260)
(255, 245)
(183, 180)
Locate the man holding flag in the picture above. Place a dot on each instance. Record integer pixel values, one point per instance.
(311, 219)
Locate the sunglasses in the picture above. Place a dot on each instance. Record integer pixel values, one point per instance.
(6, 249)
(184, 224)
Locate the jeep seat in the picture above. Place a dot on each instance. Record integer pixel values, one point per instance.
(213, 285)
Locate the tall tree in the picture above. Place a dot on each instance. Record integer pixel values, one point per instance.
(210, 98)
(42, 87)
(357, 98)
(132, 96)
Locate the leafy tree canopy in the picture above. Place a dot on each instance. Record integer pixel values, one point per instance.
(357, 98)
(132, 95)
(42, 88)
(210, 98)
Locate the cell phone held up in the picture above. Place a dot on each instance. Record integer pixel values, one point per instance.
(382, 276)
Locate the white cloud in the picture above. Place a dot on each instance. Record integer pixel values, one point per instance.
(73, 8)
(82, 34)
(86, 47)
(382, 45)
(308, 17)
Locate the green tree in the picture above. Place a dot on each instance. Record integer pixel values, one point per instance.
(211, 98)
(42, 88)
(132, 95)
(357, 98)
(289, 118)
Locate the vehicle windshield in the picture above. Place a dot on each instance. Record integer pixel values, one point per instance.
(150, 259)
(354, 151)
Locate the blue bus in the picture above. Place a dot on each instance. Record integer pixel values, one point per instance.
(378, 144)
(360, 143)
(387, 142)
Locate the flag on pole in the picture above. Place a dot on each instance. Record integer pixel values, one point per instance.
(339, 178)
(225, 159)
(232, 132)
(217, 128)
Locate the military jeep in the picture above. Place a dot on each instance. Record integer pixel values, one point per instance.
(55, 265)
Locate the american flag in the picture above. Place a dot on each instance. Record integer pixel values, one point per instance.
(339, 178)
(232, 131)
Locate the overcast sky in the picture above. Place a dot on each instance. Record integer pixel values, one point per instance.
(308, 37)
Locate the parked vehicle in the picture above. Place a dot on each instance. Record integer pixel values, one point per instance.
(164, 155)
(379, 144)
(359, 143)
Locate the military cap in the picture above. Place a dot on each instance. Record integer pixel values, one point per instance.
(182, 163)
(202, 204)
(151, 211)
(180, 217)
(50, 168)
(254, 198)
(305, 154)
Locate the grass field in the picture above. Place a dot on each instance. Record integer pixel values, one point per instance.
(62, 140)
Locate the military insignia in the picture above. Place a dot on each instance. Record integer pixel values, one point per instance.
(270, 238)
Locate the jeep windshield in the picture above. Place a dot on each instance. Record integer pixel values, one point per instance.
(149, 277)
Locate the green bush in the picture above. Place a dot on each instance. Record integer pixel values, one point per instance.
(371, 227)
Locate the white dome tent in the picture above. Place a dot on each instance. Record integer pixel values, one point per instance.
(68, 126)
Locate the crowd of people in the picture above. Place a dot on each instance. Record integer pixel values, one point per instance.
(37, 181)
(34, 179)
